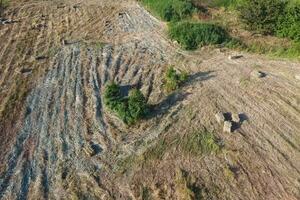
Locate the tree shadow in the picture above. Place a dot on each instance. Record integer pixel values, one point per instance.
(199, 77)
(125, 89)
(178, 96)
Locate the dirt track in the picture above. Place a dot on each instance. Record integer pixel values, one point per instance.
(59, 142)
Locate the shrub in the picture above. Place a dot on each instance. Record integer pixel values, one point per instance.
(137, 105)
(289, 23)
(261, 15)
(112, 96)
(129, 109)
(171, 10)
(192, 35)
(174, 80)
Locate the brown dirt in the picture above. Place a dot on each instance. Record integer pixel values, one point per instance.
(58, 141)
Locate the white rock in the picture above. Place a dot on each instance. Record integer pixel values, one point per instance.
(235, 118)
(220, 117)
(227, 127)
(297, 77)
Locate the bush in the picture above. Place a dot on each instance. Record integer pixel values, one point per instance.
(288, 24)
(112, 96)
(137, 105)
(174, 80)
(192, 35)
(171, 10)
(261, 15)
(129, 109)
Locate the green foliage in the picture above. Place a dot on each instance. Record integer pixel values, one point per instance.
(191, 35)
(171, 10)
(174, 80)
(226, 3)
(137, 105)
(129, 109)
(199, 143)
(112, 96)
(288, 24)
(261, 15)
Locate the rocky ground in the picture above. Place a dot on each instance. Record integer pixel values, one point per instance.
(58, 141)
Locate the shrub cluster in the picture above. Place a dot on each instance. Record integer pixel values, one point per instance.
(130, 109)
(173, 79)
(261, 15)
(288, 24)
(275, 17)
(192, 35)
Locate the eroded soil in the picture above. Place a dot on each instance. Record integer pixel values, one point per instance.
(58, 141)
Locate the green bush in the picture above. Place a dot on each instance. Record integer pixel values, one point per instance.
(137, 105)
(261, 15)
(193, 35)
(171, 10)
(174, 80)
(112, 96)
(289, 23)
(130, 109)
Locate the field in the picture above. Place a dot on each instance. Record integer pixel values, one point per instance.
(59, 141)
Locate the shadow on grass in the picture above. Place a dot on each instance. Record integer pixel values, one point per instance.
(178, 96)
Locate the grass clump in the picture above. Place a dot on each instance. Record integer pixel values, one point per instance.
(192, 35)
(170, 10)
(130, 109)
(199, 143)
(173, 79)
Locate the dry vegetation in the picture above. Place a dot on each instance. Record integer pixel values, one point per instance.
(60, 141)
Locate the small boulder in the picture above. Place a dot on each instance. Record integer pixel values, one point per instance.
(220, 117)
(235, 118)
(227, 127)
(297, 77)
(234, 57)
(257, 74)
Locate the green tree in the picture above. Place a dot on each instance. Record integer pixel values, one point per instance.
(112, 95)
(137, 105)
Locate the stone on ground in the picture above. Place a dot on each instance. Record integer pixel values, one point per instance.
(220, 117)
(227, 127)
(235, 117)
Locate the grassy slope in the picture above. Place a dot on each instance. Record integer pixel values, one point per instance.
(267, 45)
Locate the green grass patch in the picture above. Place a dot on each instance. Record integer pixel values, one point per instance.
(174, 79)
(192, 35)
(199, 143)
(291, 51)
